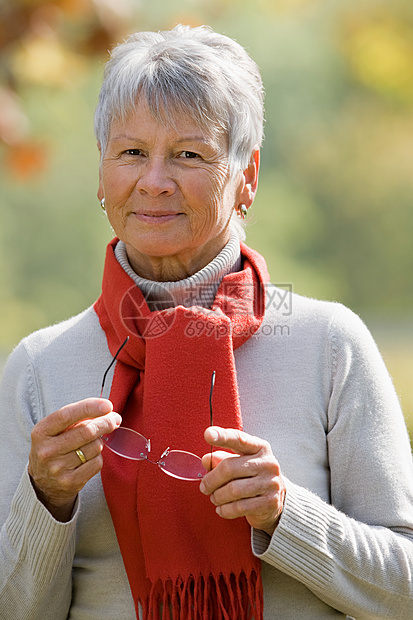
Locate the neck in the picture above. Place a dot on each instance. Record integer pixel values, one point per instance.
(162, 269)
(173, 268)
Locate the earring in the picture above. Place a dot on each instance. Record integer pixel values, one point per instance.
(242, 213)
(102, 204)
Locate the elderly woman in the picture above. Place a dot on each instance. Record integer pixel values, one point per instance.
(305, 508)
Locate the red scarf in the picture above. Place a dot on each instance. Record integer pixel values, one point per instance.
(183, 561)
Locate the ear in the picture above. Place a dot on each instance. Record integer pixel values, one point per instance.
(101, 193)
(250, 179)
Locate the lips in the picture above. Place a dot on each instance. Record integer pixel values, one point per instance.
(157, 213)
(156, 217)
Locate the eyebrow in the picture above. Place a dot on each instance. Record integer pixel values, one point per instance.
(124, 136)
(195, 138)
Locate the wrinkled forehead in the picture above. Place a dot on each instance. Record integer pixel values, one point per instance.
(174, 114)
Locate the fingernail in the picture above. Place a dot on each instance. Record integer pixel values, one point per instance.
(214, 435)
(202, 488)
(105, 406)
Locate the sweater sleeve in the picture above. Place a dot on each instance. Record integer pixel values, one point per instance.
(36, 551)
(355, 554)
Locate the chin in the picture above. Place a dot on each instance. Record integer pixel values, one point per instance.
(157, 248)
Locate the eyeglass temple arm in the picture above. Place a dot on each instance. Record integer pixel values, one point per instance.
(210, 405)
(111, 364)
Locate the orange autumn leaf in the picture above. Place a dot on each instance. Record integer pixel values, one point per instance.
(25, 160)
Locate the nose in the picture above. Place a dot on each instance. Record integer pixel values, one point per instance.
(155, 179)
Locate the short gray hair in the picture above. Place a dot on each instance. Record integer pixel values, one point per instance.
(196, 71)
(192, 71)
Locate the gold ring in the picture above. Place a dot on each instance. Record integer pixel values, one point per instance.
(82, 457)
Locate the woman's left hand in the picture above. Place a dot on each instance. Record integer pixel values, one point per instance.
(246, 484)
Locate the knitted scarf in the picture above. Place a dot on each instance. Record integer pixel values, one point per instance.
(183, 561)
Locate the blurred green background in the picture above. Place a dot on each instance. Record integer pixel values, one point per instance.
(334, 213)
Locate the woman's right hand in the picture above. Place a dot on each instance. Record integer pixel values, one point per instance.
(56, 471)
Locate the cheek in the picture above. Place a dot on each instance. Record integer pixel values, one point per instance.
(208, 212)
(117, 180)
(115, 214)
(223, 204)
(213, 199)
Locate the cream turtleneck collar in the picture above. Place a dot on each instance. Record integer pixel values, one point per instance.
(197, 290)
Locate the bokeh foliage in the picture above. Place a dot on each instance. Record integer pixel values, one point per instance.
(334, 211)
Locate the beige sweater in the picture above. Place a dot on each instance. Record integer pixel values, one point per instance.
(313, 384)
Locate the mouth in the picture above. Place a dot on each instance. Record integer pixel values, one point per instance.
(157, 217)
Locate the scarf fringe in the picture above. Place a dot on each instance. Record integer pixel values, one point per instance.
(226, 597)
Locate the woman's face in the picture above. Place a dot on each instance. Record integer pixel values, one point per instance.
(168, 193)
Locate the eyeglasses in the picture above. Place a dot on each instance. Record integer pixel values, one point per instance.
(130, 444)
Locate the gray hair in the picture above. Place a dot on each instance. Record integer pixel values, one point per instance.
(191, 71)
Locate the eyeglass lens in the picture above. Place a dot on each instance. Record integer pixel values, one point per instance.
(130, 444)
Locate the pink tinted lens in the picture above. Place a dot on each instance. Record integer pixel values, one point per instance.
(182, 465)
(128, 443)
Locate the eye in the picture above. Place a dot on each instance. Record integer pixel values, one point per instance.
(189, 155)
(133, 152)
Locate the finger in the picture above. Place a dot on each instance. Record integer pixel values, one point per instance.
(86, 432)
(86, 453)
(64, 465)
(227, 467)
(259, 512)
(62, 419)
(265, 469)
(265, 490)
(46, 448)
(235, 440)
(217, 457)
(243, 488)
